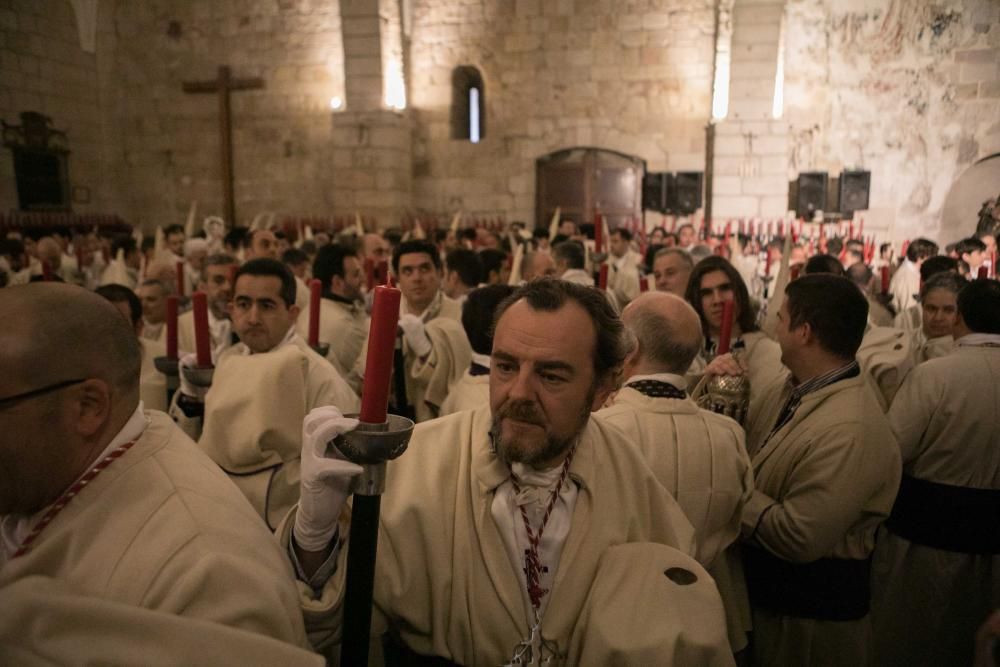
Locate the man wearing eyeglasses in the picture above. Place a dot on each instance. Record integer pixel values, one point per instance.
(105, 507)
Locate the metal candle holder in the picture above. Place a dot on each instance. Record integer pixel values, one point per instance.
(371, 446)
(200, 376)
(170, 367)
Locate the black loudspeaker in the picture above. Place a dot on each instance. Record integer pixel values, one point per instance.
(811, 195)
(684, 198)
(654, 191)
(854, 187)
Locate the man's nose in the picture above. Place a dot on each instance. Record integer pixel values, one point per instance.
(522, 388)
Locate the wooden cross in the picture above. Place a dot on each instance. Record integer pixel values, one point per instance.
(223, 84)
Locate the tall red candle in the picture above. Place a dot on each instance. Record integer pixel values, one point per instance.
(993, 264)
(171, 327)
(850, 230)
(767, 261)
(984, 272)
(598, 233)
(315, 292)
(46, 271)
(885, 280)
(644, 284)
(906, 246)
(602, 277)
(381, 345)
(726, 332)
(180, 278)
(202, 345)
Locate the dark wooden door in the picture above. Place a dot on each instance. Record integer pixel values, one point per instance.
(583, 181)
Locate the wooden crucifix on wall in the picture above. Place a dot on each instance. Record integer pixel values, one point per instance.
(223, 84)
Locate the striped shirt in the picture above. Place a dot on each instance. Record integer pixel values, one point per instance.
(809, 386)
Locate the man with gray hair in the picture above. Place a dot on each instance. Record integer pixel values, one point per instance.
(671, 269)
(700, 457)
(216, 282)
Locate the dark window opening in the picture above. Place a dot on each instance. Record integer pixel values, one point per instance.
(468, 104)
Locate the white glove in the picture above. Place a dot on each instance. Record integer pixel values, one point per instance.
(415, 335)
(189, 388)
(325, 478)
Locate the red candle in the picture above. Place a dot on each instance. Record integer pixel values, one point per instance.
(850, 230)
(767, 261)
(726, 332)
(171, 327)
(861, 227)
(180, 278)
(794, 271)
(993, 264)
(381, 345)
(906, 246)
(984, 272)
(202, 345)
(602, 277)
(46, 271)
(885, 280)
(725, 238)
(315, 291)
(598, 233)
(644, 284)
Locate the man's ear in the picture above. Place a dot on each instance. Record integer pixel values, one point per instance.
(92, 406)
(604, 389)
(805, 334)
(293, 311)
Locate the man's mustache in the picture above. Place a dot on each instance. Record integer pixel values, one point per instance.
(522, 411)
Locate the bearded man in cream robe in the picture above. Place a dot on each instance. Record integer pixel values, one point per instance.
(472, 390)
(826, 469)
(261, 390)
(113, 505)
(610, 580)
(343, 323)
(937, 563)
(698, 456)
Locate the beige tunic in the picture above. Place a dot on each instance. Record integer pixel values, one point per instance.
(825, 481)
(701, 459)
(445, 583)
(925, 349)
(468, 393)
(253, 419)
(344, 327)
(70, 628)
(623, 277)
(928, 602)
(886, 356)
(163, 529)
(762, 356)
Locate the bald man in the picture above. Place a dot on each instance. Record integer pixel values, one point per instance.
(699, 456)
(112, 502)
(538, 264)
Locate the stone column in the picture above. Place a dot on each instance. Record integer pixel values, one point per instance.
(372, 154)
(751, 147)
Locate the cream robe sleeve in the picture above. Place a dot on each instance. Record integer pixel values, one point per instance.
(45, 622)
(912, 411)
(448, 360)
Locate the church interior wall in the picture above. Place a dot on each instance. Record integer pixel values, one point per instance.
(908, 90)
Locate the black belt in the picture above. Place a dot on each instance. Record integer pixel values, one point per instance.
(829, 589)
(398, 653)
(952, 518)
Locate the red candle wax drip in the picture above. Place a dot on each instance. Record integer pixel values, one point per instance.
(602, 277)
(381, 345)
(726, 332)
(171, 327)
(644, 284)
(202, 345)
(885, 280)
(315, 292)
(180, 278)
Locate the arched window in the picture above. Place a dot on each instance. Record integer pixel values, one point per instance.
(468, 104)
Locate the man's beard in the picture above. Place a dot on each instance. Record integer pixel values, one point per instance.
(527, 411)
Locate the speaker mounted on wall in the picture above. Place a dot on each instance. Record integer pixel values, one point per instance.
(811, 193)
(655, 185)
(685, 197)
(854, 189)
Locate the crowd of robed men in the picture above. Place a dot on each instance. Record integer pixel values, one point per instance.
(563, 490)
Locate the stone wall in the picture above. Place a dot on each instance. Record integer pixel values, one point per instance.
(43, 68)
(909, 90)
(281, 134)
(629, 75)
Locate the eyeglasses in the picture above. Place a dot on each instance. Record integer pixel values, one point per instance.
(17, 398)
